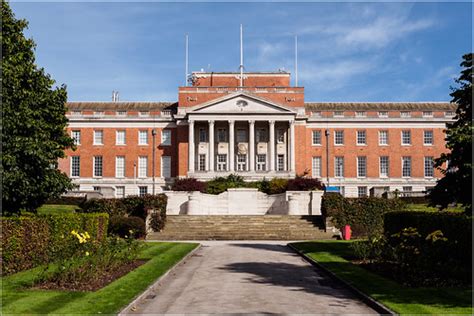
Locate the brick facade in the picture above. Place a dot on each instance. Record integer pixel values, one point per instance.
(285, 105)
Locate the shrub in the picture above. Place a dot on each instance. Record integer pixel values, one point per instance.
(34, 240)
(456, 227)
(277, 186)
(369, 250)
(221, 184)
(189, 184)
(365, 215)
(139, 206)
(67, 200)
(304, 184)
(124, 227)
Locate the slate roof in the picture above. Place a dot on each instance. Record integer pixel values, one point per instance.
(376, 106)
(120, 105)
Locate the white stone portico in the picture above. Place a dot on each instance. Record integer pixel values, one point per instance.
(241, 134)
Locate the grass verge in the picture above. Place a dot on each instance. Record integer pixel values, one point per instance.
(17, 298)
(399, 298)
(53, 209)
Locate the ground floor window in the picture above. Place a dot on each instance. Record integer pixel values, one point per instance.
(261, 162)
(96, 189)
(241, 162)
(202, 163)
(281, 162)
(142, 190)
(221, 162)
(316, 167)
(120, 192)
(361, 191)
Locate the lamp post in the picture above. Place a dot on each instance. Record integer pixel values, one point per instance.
(326, 132)
(153, 134)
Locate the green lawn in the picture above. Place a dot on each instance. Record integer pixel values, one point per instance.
(54, 209)
(399, 298)
(18, 299)
(425, 207)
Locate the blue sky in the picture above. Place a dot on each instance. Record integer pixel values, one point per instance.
(347, 51)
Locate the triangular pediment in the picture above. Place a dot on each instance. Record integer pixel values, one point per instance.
(241, 102)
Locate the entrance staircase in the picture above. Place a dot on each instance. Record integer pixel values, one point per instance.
(242, 227)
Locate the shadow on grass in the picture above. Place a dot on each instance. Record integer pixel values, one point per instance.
(331, 255)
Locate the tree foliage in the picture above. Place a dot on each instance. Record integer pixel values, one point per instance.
(456, 185)
(33, 123)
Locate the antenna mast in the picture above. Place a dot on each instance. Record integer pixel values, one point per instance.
(296, 60)
(241, 57)
(187, 72)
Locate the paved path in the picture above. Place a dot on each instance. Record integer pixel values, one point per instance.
(247, 277)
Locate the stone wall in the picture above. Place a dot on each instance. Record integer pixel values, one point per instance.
(244, 201)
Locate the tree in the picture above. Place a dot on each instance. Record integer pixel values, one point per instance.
(33, 124)
(456, 185)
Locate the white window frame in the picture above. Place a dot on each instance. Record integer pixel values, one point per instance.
(339, 167)
(362, 191)
(449, 114)
(428, 167)
(383, 114)
(96, 166)
(99, 113)
(141, 133)
(118, 139)
(76, 113)
(341, 133)
(76, 136)
(142, 190)
(120, 166)
(241, 160)
(202, 162)
(427, 113)
(408, 173)
(361, 137)
(316, 113)
(120, 191)
(75, 166)
(384, 166)
(381, 143)
(405, 114)
(221, 160)
(144, 113)
(429, 138)
(316, 137)
(280, 162)
(316, 167)
(403, 138)
(361, 167)
(261, 162)
(98, 137)
(143, 166)
(361, 114)
(165, 137)
(121, 113)
(338, 114)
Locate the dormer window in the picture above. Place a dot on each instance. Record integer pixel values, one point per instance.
(144, 113)
(121, 113)
(99, 113)
(338, 114)
(316, 113)
(383, 113)
(361, 114)
(427, 114)
(405, 114)
(76, 113)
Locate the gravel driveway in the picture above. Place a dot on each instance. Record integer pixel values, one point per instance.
(247, 277)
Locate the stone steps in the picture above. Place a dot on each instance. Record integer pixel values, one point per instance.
(246, 227)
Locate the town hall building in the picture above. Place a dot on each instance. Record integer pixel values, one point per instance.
(257, 126)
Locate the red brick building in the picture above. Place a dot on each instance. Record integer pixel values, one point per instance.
(262, 128)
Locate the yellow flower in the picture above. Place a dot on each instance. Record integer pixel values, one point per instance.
(87, 253)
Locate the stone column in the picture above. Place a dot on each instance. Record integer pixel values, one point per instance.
(191, 146)
(211, 145)
(251, 145)
(272, 145)
(292, 146)
(231, 146)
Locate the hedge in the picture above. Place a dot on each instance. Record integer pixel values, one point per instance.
(456, 227)
(67, 200)
(364, 215)
(131, 206)
(28, 241)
